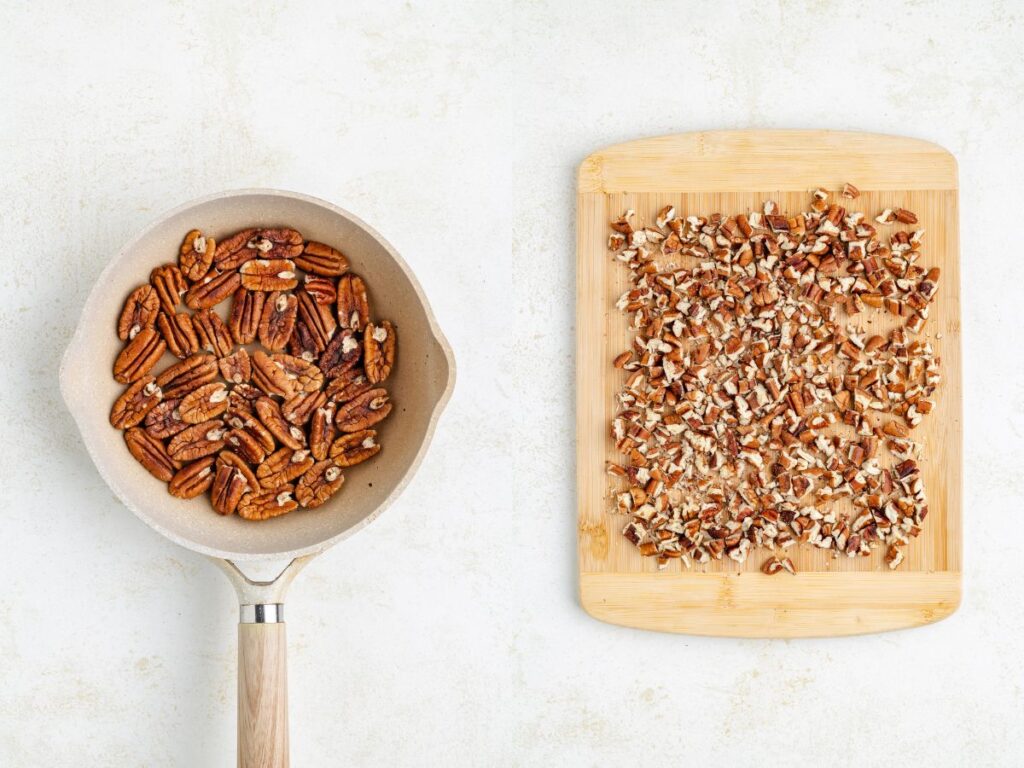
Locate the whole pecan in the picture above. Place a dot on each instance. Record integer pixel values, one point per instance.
(197, 441)
(354, 448)
(140, 310)
(268, 504)
(135, 402)
(212, 290)
(268, 275)
(196, 255)
(204, 403)
(246, 311)
(322, 289)
(191, 373)
(278, 320)
(348, 386)
(322, 431)
(236, 367)
(322, 481)
(342, 354)
(283, 466)
(192, 479)
(379, 351)
(299, 408)
(170, 286)
(139, 356)
(271, 377)
(234, 251)
(321, 259)
(213, 334)
(353, 303)
(179, 333)
(306, 376)
(164, 420)
(270, 415)
(151, 453)
(364, 411)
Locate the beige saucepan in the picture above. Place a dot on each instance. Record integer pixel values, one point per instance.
(420, 386)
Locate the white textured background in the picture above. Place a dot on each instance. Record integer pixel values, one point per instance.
(448, 632)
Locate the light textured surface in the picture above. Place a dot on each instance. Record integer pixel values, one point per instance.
(448, 631)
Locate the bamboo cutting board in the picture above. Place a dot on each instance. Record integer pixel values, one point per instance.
(734, 172)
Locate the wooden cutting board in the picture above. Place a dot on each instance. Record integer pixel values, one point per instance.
(734, 172)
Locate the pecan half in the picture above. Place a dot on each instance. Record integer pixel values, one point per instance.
(236, 367)
(170, 286)
(268, 275)
(364, 411)
(135, 402)
(242, 398)
(280, 243)
(164, 420)
(231, 459)
(318, 318)
(379, 351)
(213, 334)
(278, 320)
(151, 453)
(234, 251)
(283, 466)
(191, 373)
(321, 482)
(355, 448)
(249, 438)
(342, 354)
(353, 303)
(213, 289)
(348, 385)
(140, 310)
(271, 377)
(269, 413)
(205, 403)
(192, 479)
(263, 506)
(306, 376)
(139, 356)
(321, 289)
(322, 431)
(246, 312)
(197, 441)
(303, 342)
(229, 486)
(196, 255)
(298, 409)
(321, 259)
(179, 333)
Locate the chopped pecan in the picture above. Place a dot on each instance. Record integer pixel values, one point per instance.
(271, 377)
(904, 216)
(139, 356)
(179, 333)
(268, 504)
(354, 448)
(213, 334)
(246, 312)
(164, 420)
(321, 259)
(278, 320)
(305, 376)
(353, 303)
(322, 481)
(379, 351)
(191, 373)
(192, 479)
(270, 415)
(204, 403)
(850, 191)
(140, 310)
(212, 289)
(135, 402)
(321, 289)
(151, 453)
(283, 466)
(236, 367)
(197, 441)
(299, 409)
(322, 431)
(196, 255)
(363, 411)
(268, 275)
(170, 286)
(342, 354)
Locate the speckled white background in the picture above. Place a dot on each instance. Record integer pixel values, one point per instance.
(448, 632)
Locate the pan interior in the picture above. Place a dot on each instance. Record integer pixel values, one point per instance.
(419, 384)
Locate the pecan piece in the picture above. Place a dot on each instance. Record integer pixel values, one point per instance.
(353, 303)
(135, 402)
(196, 255)
(179, 333)
(903, 216)
(278, 320)
(192, 479)
(271, 377)
(318, 318)
(322, 431)
(213, 289)
(321, 289)
(263, 506)
(236, 367)
(151, 453)
(234, 251)
(192, 372)
(164, 420)
(379, 351)
(321, 259)
(139, 356)
(205, 403)
(268, 275)
(364, 411)
(305, 376)
(270, 415)
(170, 286)
(213, 334)
(197, 441)
(348, 386)
(321, 482)
(246, 311)
(342, 354)
(283, 466)
(354, 448)
(140, 309)
(300, 408)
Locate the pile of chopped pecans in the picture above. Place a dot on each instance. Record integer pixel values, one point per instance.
(752, 403)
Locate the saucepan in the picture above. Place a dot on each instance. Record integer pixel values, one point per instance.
(420, 386)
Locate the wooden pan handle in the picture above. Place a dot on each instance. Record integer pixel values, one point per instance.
(262, 696)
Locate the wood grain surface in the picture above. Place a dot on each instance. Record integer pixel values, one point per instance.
(262, 696)
(733, 172)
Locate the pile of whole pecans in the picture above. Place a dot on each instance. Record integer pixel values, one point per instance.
(263, 430)
(751, 403)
